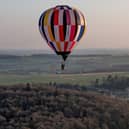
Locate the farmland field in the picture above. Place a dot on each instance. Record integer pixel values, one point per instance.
(45, 68)
(80, 69)
(50, 64)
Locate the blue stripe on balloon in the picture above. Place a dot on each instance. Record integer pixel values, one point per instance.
(41, 26)
(52, 45)
(81, 33)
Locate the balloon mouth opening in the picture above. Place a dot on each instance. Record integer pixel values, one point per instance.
(63, 54)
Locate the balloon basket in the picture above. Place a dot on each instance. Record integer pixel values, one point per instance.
(62, 66)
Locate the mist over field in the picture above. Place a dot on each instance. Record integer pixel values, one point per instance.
(90, 51)
(81, 61)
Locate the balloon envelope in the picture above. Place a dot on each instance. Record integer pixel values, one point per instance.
(62, 27)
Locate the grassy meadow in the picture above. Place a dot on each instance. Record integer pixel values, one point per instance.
(80, 79)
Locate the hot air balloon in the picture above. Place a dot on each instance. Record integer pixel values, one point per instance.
(62, 27)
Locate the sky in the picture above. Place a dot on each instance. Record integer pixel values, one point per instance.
(108, 23)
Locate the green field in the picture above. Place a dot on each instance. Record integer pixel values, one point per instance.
(80, 79)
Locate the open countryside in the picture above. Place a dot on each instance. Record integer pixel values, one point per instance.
(45, 68)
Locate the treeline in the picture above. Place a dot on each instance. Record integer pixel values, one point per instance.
(48, 107)
(113, 82)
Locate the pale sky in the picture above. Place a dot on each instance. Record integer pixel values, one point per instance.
(108, 23)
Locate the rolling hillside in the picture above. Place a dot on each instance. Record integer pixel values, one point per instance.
(45, 107)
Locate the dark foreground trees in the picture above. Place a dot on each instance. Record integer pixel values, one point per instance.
(44, 107)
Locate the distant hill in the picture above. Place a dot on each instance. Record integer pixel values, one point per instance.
(98, 51)
(45, 107)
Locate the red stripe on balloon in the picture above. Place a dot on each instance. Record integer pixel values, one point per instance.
(65, 46)
(61, 31)
(72, 45)
(56, 15)
(72, 33)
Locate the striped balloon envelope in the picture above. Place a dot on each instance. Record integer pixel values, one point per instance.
(62, 27)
